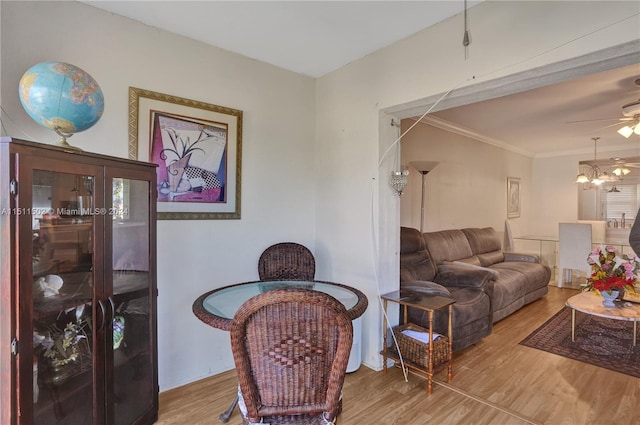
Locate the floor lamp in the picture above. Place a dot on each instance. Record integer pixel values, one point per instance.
(423, 167)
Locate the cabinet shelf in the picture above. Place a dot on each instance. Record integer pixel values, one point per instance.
(77, 289)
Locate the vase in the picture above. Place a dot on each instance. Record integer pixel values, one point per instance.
(59, 374)
(609, 297)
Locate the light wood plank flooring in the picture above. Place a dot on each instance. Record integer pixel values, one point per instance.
(496, 381)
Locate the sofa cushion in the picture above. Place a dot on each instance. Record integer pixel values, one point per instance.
(509, 286)
(415, 261)
(534, 275)
(449, 245)
(519, 283)
(410, 240)
(485, 245)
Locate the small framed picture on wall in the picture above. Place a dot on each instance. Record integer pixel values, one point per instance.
(513, 197)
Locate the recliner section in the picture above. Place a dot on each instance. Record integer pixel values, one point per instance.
(487, 284)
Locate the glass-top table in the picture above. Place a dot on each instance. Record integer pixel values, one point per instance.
(548, 246)
(217, 307)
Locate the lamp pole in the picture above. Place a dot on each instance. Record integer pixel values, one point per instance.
(424, 174)
(423, 167)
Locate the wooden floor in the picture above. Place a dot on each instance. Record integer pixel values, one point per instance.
(496, 381)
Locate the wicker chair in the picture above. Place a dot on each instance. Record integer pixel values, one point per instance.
(287, 261)
(291, 348)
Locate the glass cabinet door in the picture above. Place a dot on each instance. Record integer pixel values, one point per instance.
(62, 229)
(132, 342)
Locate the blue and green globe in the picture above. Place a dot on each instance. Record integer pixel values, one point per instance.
(61, 97)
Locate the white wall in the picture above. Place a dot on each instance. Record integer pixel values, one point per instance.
(507, 37)
(277, 159)
(468, 188)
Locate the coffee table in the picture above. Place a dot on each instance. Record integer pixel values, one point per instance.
(591, 303)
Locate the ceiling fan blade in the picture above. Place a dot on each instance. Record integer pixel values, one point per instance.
(607, 126)
(598, 119)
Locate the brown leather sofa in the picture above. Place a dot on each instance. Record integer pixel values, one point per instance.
(469, 266)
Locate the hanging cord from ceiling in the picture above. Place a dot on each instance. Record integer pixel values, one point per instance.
(466, 40)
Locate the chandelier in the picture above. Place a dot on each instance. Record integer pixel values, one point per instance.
(594, 174)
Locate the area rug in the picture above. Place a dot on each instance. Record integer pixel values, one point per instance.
(601, 342)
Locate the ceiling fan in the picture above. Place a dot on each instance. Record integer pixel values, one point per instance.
(621, 166)
(631, 118)
(631, 111)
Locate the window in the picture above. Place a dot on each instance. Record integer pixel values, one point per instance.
(623, 201)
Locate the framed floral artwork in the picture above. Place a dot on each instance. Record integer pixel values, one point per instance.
(513, 197)
(198, 149)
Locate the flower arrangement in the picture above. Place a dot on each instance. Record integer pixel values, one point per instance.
(63, 347)
(609, 271)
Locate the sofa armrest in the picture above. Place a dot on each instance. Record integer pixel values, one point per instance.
(426, 287)
(519, 256)
(458, 274)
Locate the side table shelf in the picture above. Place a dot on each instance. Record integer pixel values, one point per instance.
(430, 304)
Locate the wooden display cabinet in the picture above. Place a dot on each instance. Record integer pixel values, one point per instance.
(78, 287)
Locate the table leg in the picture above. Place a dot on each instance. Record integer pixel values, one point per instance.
(635, 332)
(450, 331)
(384, 336)
(573, 324)
(224, 416)
(430, 366)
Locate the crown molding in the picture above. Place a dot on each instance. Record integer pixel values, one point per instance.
(465, 132)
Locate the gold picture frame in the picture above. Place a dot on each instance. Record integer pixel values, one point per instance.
(513, 197)
(198, 149)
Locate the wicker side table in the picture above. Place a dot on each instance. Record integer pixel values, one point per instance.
(426, 359)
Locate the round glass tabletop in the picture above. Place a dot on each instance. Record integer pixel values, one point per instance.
(225, 302)
(217, 307)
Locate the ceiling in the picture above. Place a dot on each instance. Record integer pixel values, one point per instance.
(556, 119)
(307, 37)
(317, 37)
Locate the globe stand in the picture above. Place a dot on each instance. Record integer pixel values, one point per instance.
(63, 140)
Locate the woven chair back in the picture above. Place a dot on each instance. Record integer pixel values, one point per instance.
(287, 261)
(291, 348)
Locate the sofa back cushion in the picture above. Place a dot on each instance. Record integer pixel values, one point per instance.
(449, 245)
(415, 261)
(485, 245)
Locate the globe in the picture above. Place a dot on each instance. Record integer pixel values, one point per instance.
(61, 97)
